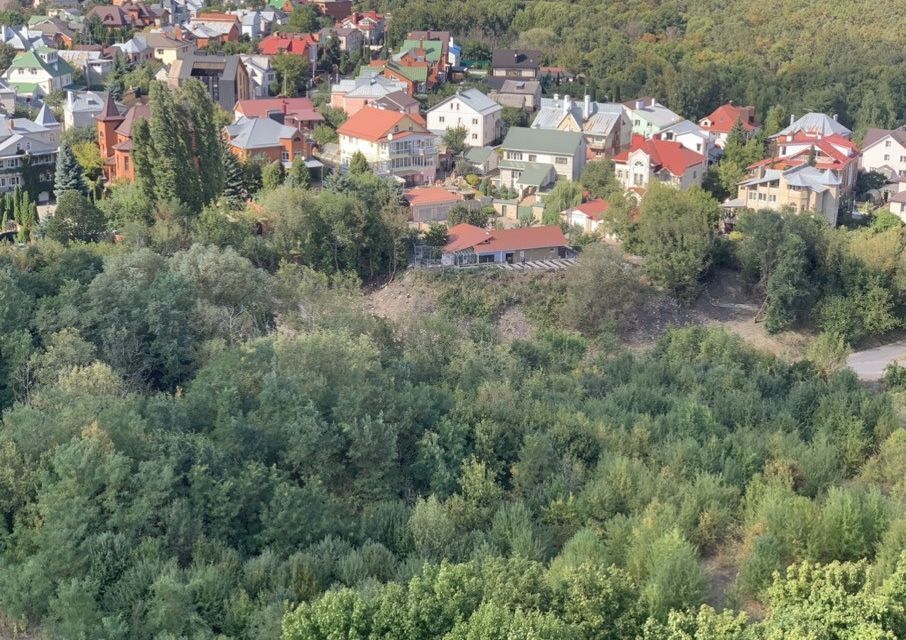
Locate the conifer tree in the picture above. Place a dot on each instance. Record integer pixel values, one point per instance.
(298, 175)
(234, 190)
(69, 175)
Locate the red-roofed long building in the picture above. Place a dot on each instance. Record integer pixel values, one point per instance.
(664, 160)
(295, 43)
(468, 244)
(722, 120)
(588, 215)
(394, 144)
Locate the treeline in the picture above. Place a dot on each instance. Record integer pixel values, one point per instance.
(192, 446)
(695, 55)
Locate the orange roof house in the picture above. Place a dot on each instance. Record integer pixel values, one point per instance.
(295, 43)
(468, 244)
(430, 204)
(373, 124)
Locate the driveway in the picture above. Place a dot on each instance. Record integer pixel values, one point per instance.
(869, 364)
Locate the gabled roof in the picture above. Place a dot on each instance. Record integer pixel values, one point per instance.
(373, 124)
(542, 140)
(516, 59)
(419, 196)
(657, 114)
(602, 116)
(515, 86)
(593, 208)
(433, 48)
(31, 60)
(258, 133)
(669, 154)
(478, 155)
(466, 236)
(396, 100)
(299, 108)
(45, 117)
(136, 113)
(873, 136)
(815, 124)
(725, 117)
(474, 99)
(297, 43)
(369, 85)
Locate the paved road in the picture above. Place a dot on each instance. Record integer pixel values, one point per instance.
(869, 364)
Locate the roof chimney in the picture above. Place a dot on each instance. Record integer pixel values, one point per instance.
(565, 104)
(792, 118)
(835, 117)
(586, 107)
(556, 97)
(639, 104)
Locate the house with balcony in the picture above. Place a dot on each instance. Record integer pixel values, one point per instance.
(654, 159)
(606, 126)
(833, 152)
(29, 145)
(472, 110)
(394, 144)
(801, 189)
(371, 23)
(532, 159)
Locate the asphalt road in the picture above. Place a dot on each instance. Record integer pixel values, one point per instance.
(869, 364)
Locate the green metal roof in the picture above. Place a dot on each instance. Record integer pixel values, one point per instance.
(416, 74)
(24, 87)
(542, 140)
(536, 174)
(478, 154)
(433, 48)
(30, 60)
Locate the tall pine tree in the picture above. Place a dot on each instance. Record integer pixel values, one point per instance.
(69, 175)
(207, 140)
(234, 187)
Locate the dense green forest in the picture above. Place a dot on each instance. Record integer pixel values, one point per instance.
(802, 55)
(196, 447)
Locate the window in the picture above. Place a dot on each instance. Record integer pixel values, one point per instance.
(637, 179)
(887, 143)
(441, 119)
(284, 155)
(532, 157)
(698, 147)
(561, 161)
(514, 155)
(474, 120)
(902, 158)
(886, 157)
(474, 136)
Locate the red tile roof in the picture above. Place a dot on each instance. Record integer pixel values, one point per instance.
(726, 116)
(299, 108)
(297, 43)
(373, 124)
(419, 196)
(669, 154)
(466, 236)
(594, 208)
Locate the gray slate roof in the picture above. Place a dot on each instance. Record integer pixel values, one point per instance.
(602, 118)
(815, 123)
(257, 133)
(473, 98)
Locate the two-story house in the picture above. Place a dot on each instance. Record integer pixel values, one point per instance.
(692, 137)
(664, 160)
(294, 112)
(834, 152)
(29, 143)
(115, 139)
(720, 122)
(801, 189)
(884, 151)
(225, 77)
(521, 64)
(265, 139)
(649, 116)
(38, 72)
(471, 109)
(394, 144)
(351, 94)
(606, 126)
(534, 158)
(371, 23)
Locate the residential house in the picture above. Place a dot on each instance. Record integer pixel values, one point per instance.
(206, 29)
(648, 116)
(257, 23)
(722, 120)
(224, 76)
(371, 23)
(534, 158)
(21, 38)
(294, 112)
(588, 216)
(897, 204)
(472, 110)
(127, 16)
(814, 125)
(482, 160)
(115, 139)
(261, 73)
(448, 49)
(294, 43)
(31, 143)
(430, 204)
(61, 33)
(468, 244)
(801, 189)
(334, 9)
(266, 139)
(884, 151)
(692, 137)
(81, 108)
(833, 152)
(39, 72)
(606, 126)
(667, 161)
(394, 144)
(518, 94)
(95, 65)
(165, 48)
(135, 50)
(397, 101)
(516, 63)
(352, 94)
(7, 99)
(350, 39)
